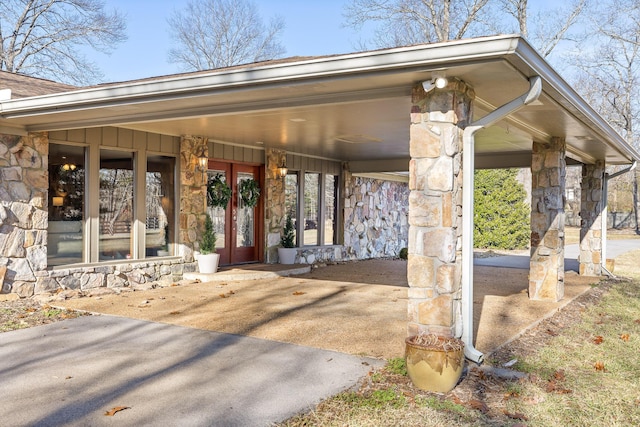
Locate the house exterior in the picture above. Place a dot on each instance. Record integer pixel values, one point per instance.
(106, 185)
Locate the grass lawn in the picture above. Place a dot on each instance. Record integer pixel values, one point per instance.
(585, 373)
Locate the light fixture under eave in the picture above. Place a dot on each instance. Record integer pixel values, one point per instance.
(435, 83)
(282, 170)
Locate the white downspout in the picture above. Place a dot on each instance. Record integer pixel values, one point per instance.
(605, 208)
(468, 169)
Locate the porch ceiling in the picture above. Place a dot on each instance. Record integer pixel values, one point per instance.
(350, 107)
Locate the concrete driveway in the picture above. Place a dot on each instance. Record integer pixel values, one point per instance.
(71, 372)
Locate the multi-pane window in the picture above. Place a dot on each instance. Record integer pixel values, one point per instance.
(318, 195)
(105, 224)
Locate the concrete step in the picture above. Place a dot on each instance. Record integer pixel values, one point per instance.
(250, 272)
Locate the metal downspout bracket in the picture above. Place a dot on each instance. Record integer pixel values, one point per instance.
(468, 167)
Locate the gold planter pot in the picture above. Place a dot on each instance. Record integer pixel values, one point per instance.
(434, 363)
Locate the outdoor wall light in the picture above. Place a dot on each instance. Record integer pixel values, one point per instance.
(203, 162)
(282, 170)
(436, 82)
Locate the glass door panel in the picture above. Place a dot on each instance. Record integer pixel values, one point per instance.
(218, 213)
(245, 220)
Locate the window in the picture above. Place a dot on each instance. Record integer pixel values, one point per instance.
(291, 197)
(65, 237)
(96, 214)
(116, 205)
(160, 201)
(311, 208)
(319, 206)
(330, 206)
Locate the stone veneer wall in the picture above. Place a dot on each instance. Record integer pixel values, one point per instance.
(193, 197)
(274, 215)
(24, 221)
(375, 222)
(23, 211)
(375, 217)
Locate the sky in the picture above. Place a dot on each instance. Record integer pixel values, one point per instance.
(312, 27)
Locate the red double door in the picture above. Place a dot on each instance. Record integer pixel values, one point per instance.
(238, 227)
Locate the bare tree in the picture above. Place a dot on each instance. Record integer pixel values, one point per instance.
(221, 33)
(404, 22)
(42, 38)
(609, 75)
(545, 28)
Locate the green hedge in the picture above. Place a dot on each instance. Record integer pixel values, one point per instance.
(502, 216)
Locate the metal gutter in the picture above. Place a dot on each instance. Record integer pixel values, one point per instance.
(422, 56)
(561, 92)
(468, 169)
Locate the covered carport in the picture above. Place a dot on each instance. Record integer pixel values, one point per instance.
(499, 105)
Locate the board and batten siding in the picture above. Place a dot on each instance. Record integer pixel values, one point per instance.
(119, 138)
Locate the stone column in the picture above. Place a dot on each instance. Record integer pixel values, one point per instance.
(435, 208)
(274, 206)
(591, 209)
(193, 195)
(546, 273)
(23, 211)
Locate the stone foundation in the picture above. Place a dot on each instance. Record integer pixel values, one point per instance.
(134, 275)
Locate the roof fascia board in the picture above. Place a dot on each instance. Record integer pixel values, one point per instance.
(427, 56)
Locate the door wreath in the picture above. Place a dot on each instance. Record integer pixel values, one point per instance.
(249, 192)
(218, 192)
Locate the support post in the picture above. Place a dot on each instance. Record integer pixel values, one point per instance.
(435, 208)
(546, 273)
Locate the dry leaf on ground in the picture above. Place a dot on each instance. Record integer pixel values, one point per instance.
(113, 411)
